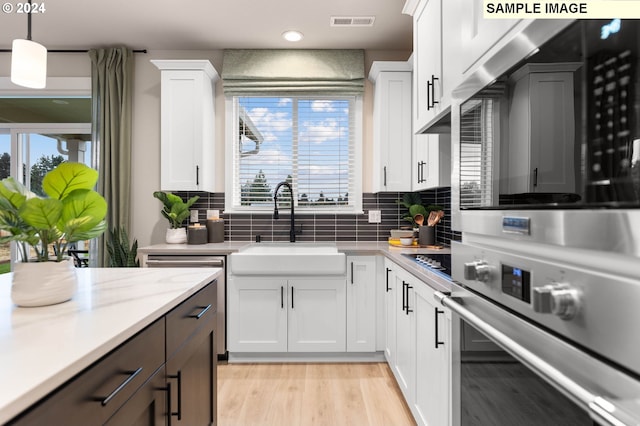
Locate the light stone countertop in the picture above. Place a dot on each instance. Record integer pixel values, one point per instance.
(363, 248)
(41, 348)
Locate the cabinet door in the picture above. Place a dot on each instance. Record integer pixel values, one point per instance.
(317, 315)
(187, 125)
(147, 407)
(432, 164)
(433, 352)
(191, 375)
(361, 304)
(451, 47)
(427, 65)
(405, 334)
(257, 313)
(392, 131)
(390, 311)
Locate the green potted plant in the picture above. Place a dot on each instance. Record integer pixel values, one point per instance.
(176, 211)
(412, 201)
(419, 216)
(121, 254)
(44, 227)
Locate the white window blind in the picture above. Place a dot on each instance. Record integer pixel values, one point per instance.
(308, 142)
(476, 153)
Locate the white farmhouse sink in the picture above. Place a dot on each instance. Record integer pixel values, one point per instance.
(288, 259)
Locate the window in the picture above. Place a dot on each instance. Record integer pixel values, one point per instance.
(476, 150)
(309, 142)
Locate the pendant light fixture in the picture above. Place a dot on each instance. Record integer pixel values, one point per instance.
(28, 60)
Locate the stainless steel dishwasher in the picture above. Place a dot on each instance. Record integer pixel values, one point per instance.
(200, 261)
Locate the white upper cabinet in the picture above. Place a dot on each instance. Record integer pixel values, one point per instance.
(187, 125)
(392, 133)
(427, 63)
(432, 161)
(437, 62)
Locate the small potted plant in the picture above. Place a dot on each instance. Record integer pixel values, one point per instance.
(417, 214)
(44, 227)
(176, 211)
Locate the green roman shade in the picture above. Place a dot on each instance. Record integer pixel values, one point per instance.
(328, 72)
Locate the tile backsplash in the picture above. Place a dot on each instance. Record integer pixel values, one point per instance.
(328, 227)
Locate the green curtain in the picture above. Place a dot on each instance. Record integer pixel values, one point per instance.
(111, 93)
(329, 72)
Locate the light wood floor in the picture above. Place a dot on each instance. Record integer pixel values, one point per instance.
(353, 394)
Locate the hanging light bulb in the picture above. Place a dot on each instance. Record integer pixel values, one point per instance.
(28, 60)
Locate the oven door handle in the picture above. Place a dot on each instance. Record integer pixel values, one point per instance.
(601, 410)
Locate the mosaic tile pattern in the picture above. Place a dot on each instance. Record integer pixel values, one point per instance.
(327, 227)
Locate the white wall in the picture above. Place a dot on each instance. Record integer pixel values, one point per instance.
(147, 224)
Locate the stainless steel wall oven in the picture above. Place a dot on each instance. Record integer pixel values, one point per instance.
(546, 193)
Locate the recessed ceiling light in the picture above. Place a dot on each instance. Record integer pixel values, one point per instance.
(292, 35)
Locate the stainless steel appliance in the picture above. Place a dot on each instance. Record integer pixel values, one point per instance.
(568, 322)
(200, 261)
(551, 122)
(546, 193)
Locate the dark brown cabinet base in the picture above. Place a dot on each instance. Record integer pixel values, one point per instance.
(164, 375)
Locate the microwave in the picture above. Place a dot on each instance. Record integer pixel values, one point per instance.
(546, 137)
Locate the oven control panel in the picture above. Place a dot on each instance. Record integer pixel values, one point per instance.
(516, 282)
(519, 282)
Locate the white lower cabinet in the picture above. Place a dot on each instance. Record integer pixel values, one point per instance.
(405, 364)
(331, 314)
(269, 314)
(316, 315)
(361, 303)
(420, 365)
(390, 307)
(433, 359)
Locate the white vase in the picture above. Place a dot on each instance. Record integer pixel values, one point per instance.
(43, 283)
(176, 236)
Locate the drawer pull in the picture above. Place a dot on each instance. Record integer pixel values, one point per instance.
(204, 311)
(128, 380)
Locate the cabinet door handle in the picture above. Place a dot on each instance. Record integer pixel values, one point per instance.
(431, 92)
(132, 375)
(408, 310)
(197, 175)
(388, 288)
(438, 342)
(291, 297)
(168, 389)
(281, 297)
(384, 175)
(404, 294)
(351, 272)
(204, 311)
(419, 163)
(535, 177)
(179, 412)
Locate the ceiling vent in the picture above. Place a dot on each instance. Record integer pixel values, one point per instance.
(352, 21)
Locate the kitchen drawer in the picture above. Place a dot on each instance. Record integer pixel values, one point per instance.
(185, 319)
(96, 393)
